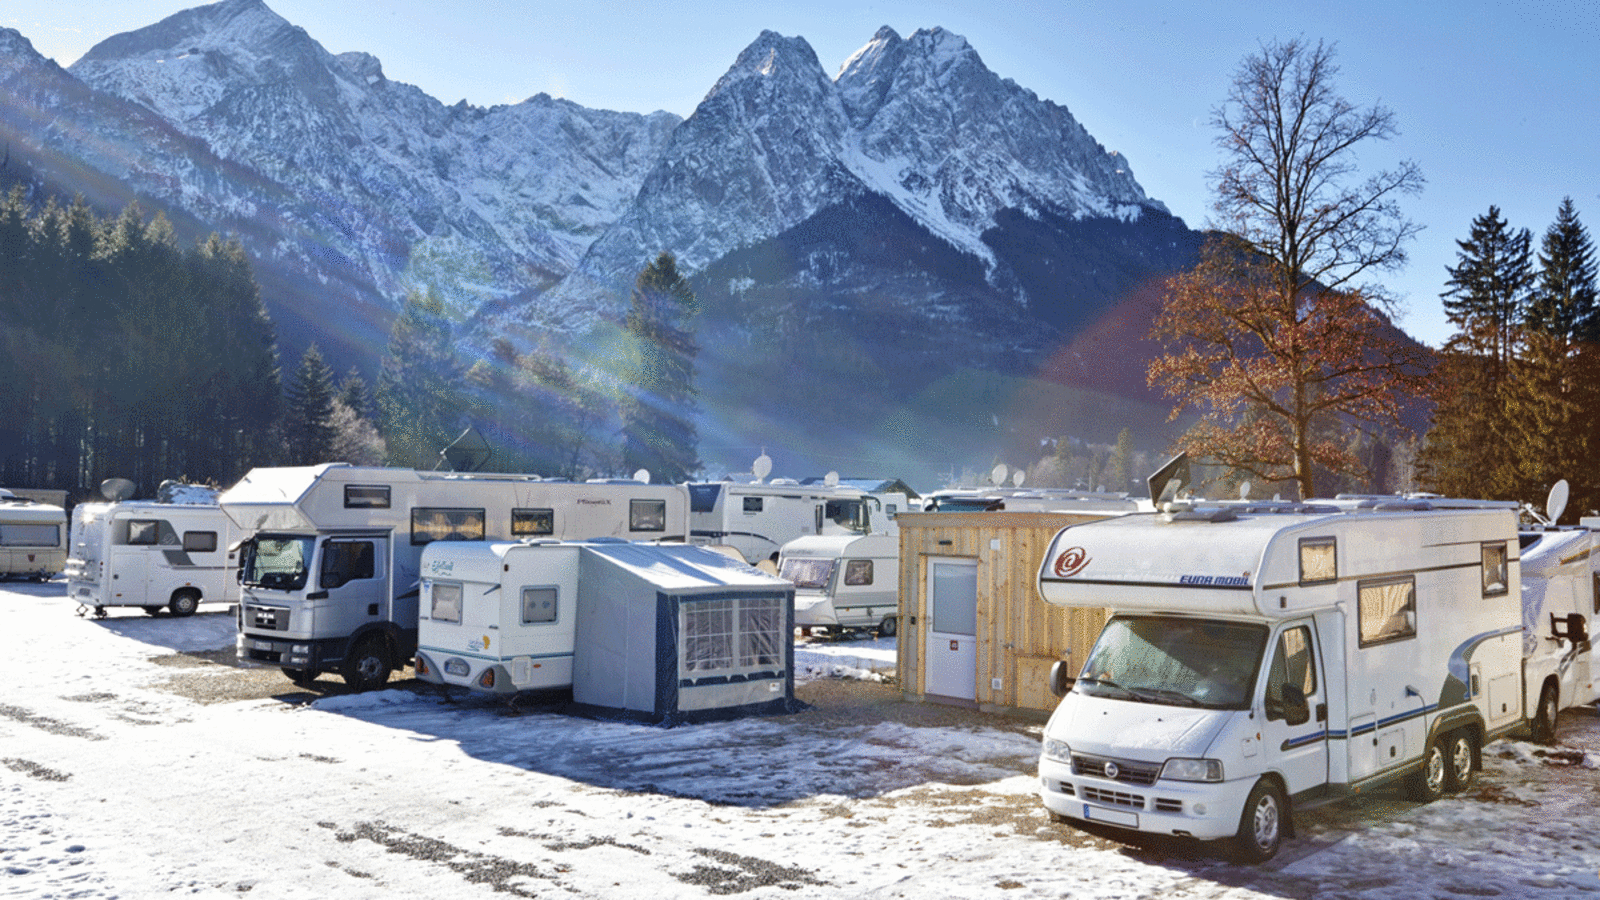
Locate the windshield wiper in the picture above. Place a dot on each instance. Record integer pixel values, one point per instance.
(1178, 697)
(1108, 683)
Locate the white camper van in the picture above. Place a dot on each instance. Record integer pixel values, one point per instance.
(330, 574)
(844, 581)
(152, 555)
(1560, 603)
(33, 538)
(1265, 655)
(664, 632)
(758, 519)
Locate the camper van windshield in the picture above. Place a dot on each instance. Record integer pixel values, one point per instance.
(850, 514)
(807, 572)
(1175, 661)
(277, 561)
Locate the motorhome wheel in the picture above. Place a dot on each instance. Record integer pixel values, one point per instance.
(184, 603)
(887, 627)
(1458, 777)
(367, 666)
(1262, 825)
(1544, 717)
(1427, 783)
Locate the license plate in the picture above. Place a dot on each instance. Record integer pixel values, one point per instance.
(1110, 816)
(261, 645)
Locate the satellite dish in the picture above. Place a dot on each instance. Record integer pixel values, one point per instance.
(1018, 477)
(469, 452)
(831, 479)
(1244, 490)
(642, 476)
(1556, 503)
(1167, 481)
(998, 474)
(117, 489)
(762, 467)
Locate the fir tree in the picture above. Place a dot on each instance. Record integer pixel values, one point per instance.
(1488, 288)
(660, 400)
(1563, 301)
(308, 426)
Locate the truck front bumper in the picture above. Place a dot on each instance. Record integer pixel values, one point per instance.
(1207, 811)
(306, 655)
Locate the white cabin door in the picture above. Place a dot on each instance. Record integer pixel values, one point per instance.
(1296, 705)
(952, 644)
(130, 576)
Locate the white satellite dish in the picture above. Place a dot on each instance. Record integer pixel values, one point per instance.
(1244, 490)
(117, 489)
(999, 473)
(1018, 477)
(762, 467)
(1556, 503)
(642, 476)
(831, 479)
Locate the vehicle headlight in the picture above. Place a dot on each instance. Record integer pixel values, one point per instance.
(1192, 770)
(1057, 750)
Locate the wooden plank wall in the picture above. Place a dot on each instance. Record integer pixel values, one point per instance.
(1019, 634)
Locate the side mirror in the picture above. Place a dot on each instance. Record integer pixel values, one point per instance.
(1577, 627)
(1060, 678)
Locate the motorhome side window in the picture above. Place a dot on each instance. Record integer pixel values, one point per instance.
(752, 504)
(1496, 576)
(647, 515)
(533, 522)
(144, 531)
(200, 541)
(344, 562)
(1387, 609)
(1318, 560)
(444, 602)
(858, 572)
(1292, 677)
(366, 496)
(538, 605)
(429, 524)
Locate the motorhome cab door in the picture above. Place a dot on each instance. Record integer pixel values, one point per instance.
(952, 644)
(1295, 705)
(350, 583)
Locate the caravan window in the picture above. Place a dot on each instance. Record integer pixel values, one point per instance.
(732, 636)
(533, 522)
(366, 496)
(858, 572)
(200, 541)
(1496, 574)
(752, 504)
(1318, 560)
(429, 524)
(146, 532)
(807, 572)
(18, 534)
(1388, 610)
(538, 605)
(445, 602)
(647, 515)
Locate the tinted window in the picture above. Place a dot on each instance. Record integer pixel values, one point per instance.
(200, 541)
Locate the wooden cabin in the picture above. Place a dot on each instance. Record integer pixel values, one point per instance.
(973, 629)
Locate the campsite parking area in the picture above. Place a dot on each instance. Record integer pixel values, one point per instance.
(136, 760)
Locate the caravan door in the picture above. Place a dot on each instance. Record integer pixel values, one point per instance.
(952, 644)
(1296, 704)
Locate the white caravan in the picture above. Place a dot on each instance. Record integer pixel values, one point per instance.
(758, 519)
(503, 618)
(330, 572)
(33, 538)
(1263, 655)
(844, 581)
(152, 555)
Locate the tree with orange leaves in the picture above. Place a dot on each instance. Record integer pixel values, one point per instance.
(1273, 339)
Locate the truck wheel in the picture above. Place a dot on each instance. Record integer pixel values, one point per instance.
(184, 603)
(1459, 773)
(1544, 717)
(301, 677)
(1426, 784)
(888, 627)
(1261, 826)
(367, 666)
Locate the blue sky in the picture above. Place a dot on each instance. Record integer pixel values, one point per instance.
(1499, 103)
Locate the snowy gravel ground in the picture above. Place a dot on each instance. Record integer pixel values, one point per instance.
(136, 762)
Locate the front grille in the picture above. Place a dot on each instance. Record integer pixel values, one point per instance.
(1168, 806)
(1111, 798)
(1124, 770)
(267, 618)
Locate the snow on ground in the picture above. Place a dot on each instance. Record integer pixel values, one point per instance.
(126, 771)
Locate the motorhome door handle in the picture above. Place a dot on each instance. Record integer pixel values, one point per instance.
(1322, 712)
(317, 595)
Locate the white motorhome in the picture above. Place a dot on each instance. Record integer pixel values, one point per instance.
(33, 538)
(757, 519)
(152, 555)
(1263, 655)
(330, 572)
(844, 581)
(1560, 601)
(669, 631)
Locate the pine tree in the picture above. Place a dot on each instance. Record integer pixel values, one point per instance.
(308, 424)
(1563, 302)
(660, 400)
(1488, 289)
(418, 401)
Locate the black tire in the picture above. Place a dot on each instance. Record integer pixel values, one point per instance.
(888, 627)
(184, 603)
(301, 677)
(367, 667)
(1426, 784)
(1461, 750)
(1262, 825)
(1545, 715)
